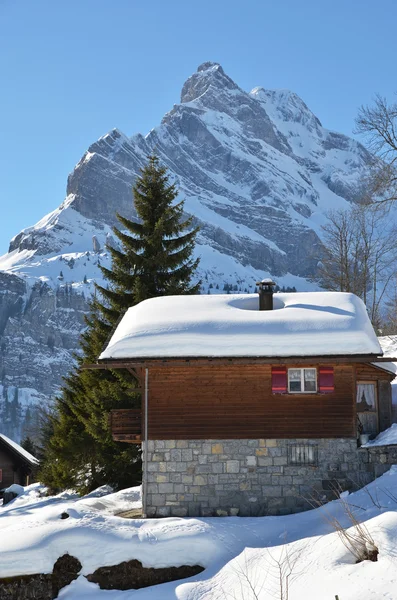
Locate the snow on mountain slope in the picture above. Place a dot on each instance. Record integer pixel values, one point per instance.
(258, 172)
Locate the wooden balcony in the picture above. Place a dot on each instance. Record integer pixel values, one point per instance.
(126, 425)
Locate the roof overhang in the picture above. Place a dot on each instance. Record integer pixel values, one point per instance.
(137, 362)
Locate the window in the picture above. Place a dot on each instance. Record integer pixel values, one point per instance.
(302, 454)
(302, 381)
(366, 397)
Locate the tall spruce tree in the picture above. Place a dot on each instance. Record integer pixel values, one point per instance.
(153, 258)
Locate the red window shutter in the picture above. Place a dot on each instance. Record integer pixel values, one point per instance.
(326, 380)
(279, 380)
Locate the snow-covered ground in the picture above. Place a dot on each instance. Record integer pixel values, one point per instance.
(244, 558)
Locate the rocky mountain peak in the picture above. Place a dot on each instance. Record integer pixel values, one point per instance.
(285, 105)
(209, 74)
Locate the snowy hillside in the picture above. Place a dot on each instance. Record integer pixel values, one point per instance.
(300, 556)
(258, 172)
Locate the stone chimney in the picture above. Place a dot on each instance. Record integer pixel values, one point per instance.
(265, 294)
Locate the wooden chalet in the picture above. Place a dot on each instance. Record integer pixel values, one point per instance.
(249, 400)
(16, 464)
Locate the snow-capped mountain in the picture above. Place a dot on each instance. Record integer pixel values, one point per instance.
(257, 170)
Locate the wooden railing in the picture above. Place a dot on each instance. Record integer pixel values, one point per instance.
(126, 425)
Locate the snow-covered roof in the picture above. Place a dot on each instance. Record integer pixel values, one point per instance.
(21, 451)
(301, 324)
(388, 343)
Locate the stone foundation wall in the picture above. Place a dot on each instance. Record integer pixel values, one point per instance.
(250, 477)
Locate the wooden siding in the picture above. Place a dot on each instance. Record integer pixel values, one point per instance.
(126, 425)
(367, 372)
(12, 470)
(236, 401)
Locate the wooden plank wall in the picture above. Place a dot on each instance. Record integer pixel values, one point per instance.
(231, 402)
(367, 372)
(9, 470)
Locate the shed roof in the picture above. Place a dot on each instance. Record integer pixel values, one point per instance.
(301, 324)
(17, 449)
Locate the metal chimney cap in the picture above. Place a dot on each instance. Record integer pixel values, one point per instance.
(266, 282)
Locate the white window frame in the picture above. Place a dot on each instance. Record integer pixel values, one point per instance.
(302, 390)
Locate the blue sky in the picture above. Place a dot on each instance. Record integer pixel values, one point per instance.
(73, 69)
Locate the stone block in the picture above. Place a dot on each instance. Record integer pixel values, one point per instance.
(253, 443)
(290, 490)
(280, 460)
(158, 499)
(202, 459)
(285, 479)
(207, 449)
(187, 454)
(217, 467)
(200, 480)
(203, 469)
(175, 477)
(206, 511)
(232, 466)
(217, 449)
(182, 444)
(234, 512)
(261, 452)
(181, 467)
(152, 488)
(187, 479)
(162, 478)
(158, 457)
(194, 508)
(176, 455)
(169, 444)
(213, 478)
(265, 461)
(271, 491)
(245, 486)
(178, 511)
(163, 511)
(244, 451)
(275, 451)
(166, 488)
(275, 502)
(221, 512)
(265, 478)
(271, 443)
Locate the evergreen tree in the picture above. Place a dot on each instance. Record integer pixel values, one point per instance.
(28, 445)
(153, 258)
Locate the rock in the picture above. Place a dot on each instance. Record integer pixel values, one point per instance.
(131, 575)
(41, 586)
(8, 496)
(66, 570)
